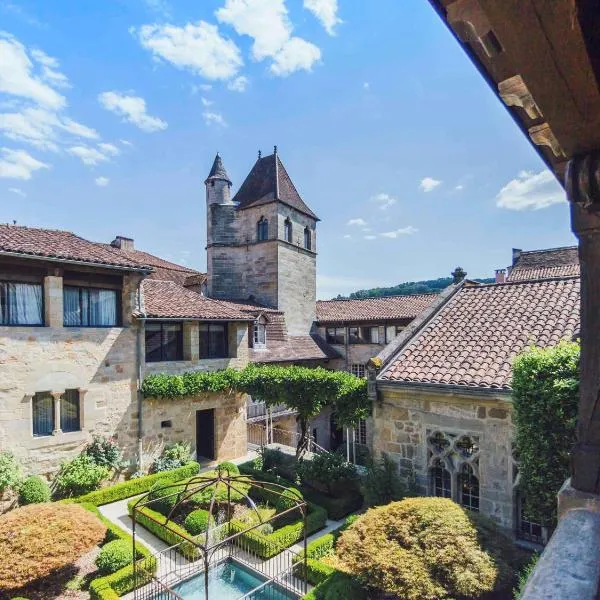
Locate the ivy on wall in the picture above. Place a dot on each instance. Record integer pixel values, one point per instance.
(305, 390)
(545, 396)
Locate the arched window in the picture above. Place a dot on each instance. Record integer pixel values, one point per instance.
(307, 239)
(441, 480)
(262, 229)
(468, 488)
(287, 231)
(260, 332)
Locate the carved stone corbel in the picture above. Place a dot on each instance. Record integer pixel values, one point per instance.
(514, 92)
(469, 21)
(542, 135)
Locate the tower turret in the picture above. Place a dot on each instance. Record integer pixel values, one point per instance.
(218, 184)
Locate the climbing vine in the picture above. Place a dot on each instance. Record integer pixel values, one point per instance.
(304, 390)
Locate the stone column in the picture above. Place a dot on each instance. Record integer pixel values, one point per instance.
(583, 191)
(56, 396)
(191, 341)
(53, 301)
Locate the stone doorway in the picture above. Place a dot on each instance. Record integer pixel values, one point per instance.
(205, 434)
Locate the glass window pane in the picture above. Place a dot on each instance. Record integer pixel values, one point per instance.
(103, 307)
(153, 342)
(71, 307)
(204, 341)
(21, 303)
(43, 414)
(69, 411)
(353, 337)
(172, 341)
(217, 341)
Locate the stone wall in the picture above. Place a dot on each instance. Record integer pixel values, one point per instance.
(230, 424)
(404, 418)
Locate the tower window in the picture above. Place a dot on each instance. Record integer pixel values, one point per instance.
(262, 229)
(287, 231)
(260, 333)
(307, 239)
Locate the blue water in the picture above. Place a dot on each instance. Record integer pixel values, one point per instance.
(230, 581)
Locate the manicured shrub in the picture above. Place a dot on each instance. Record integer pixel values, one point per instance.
(79, 476)
(338, 586)
(38, 539)
(198, 521)
(421, 548)
(382, 484)
(33, 491)
(174, 456)
(10, 472)
(105, 452)
(228, 468)
(328, 472)
(289, 499)
(114, 556)
(164, 496)
(545, 397)
(137, 486)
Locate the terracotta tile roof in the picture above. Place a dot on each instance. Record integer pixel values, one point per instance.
(545, 264)
(169, 300)
(260, 186)
(472, 339)
(53, 243)
(296, 348)
(372, 309)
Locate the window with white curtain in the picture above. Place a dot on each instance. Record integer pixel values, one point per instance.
(43, 414)
(90, 307)
(70, 411)
(21, 303)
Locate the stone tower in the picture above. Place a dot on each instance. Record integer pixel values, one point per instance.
(261, 243)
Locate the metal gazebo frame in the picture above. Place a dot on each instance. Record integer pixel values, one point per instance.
(217, 543)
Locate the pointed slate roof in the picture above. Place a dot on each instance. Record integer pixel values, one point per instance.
(267, 182)
(218, 171)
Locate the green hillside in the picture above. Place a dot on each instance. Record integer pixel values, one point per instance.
(409, 288)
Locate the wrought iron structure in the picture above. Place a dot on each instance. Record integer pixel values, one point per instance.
(196, 555)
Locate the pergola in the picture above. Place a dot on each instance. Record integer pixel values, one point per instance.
(542, 59)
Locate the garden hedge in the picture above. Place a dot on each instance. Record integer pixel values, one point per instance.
(173, 536)
(268, 545)
(134, 487)
(114, 556)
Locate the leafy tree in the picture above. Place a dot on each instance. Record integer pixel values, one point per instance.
(79, 476)
(545, 397)
(10, 472)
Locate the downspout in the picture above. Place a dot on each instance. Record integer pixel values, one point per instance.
(141, 328)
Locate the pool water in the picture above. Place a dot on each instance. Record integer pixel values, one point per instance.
(229, 581)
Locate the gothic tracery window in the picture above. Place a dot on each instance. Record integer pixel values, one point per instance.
(441, 480)
(287, 230)
(468, 488)
(262, 229)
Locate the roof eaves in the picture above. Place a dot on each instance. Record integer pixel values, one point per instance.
(449, 388)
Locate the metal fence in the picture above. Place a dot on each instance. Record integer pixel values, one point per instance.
(258, 411)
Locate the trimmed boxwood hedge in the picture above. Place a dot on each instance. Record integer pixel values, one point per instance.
(134, 487)
(173, 536)
(197, 521)
(268, 545)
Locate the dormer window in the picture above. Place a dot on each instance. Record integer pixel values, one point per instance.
(307, 238)
(262, 229)
(260, 333)
(287, 230)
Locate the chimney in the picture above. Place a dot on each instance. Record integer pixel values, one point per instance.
(123, 243)
(516, 254)
(500, 275)
(458, 275)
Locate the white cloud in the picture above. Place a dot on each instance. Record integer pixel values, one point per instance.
(268, 24)
(206, 101)
(160, 7)
(202, 87)
(326, 12)
(109, 149)
(399, 232)
(428, 184)
(18, 164)
(197, 47)
(384, 201)
(17, 76)
(239, 84)
(531, 191)
(78, 129)
(215, 118)
(459, 187)
(370, 237)
(347, 237)
(132, 109)
(88, 155)
(17, 191)
(102, 181)
(126, 143)
(360, 222)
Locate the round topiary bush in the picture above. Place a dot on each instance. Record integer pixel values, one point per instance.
(34, 490)
(38, 539)
(114, 556)
(197, 522)
(421, 548)
(228, 468)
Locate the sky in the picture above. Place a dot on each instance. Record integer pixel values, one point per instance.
(111, 112)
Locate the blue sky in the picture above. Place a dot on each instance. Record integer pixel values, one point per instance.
(111, 113)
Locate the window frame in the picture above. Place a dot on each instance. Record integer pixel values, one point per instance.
(41, 396)
(163, 344)
(307, 238)
(78, 410)
(210, 324)
(440, 479)
(333, 338)
(81, 288)
(358, 369)
(288, 231)
(40, 284)
(262, 229)
(257, 327)
(360, 432)
(466, 498)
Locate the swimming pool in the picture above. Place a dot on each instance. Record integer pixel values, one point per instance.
(230, 580)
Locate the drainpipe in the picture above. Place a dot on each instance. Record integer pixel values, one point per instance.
(141, 328)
